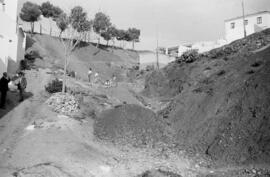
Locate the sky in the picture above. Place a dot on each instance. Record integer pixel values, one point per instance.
(172, 22)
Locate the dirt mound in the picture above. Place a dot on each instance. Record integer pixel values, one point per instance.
(220, 104)
(159, 173)
(45, 169)
(130, 125)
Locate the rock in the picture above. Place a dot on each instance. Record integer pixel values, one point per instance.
(63, 103)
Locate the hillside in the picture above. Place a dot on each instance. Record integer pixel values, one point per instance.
(220, 104)
(105, 61)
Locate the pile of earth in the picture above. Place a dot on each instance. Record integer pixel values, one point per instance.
(220, 105)
(131, 125)
(159, 173)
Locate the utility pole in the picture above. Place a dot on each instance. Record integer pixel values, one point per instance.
(157, 54)
(244, 24)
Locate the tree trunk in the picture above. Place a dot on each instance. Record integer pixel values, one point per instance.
(60, 34)
(107, 43)
(40, 29)
(113, 43)
(65, 74)
(50, 27)
(133, 44)
(32, 27)
(98, 42)
(89, 37)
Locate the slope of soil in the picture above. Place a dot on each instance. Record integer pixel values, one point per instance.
(221, 102)
(104, 61)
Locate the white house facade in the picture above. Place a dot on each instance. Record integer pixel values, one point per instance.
(234, 28)
(203, 46)
(12, 37)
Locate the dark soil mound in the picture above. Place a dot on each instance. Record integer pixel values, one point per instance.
(221, 105)
(130, 125)
(159, 173)
(45, 169)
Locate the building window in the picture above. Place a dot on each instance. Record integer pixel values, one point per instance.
(232, 25)
(246, 22)
(259, 20)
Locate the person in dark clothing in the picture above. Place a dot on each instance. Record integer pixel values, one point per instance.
(3, 89)
(21, 85)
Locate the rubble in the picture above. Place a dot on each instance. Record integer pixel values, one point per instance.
(63, 103)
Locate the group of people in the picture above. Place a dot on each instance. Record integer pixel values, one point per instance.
(90, 75)
(107, 83)
(19, 80)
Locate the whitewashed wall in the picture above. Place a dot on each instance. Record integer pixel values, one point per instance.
(252, 27)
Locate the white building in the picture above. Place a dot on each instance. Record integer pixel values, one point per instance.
(12, 38)
(234, 28)
(177, 51)
(203, 46)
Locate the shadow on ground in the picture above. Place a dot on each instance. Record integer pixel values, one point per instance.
(12, 102)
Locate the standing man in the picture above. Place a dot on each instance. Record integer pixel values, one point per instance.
(21, 85)
(4, 88)
(90, 74)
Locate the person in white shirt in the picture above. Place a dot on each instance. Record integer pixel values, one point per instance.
(90, 74)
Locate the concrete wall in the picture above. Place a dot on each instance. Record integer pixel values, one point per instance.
(251, 27)
(12, 39)
(3, 54)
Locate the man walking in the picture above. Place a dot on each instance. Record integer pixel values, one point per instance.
(3, 89)
(90, 74)
(21, 85)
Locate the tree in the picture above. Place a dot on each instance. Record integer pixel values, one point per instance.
(75, 33)
(113, 32)
(85, 28)
(51, 12)
(47, 11)
(101, 24)
(30, 12)
(57, 11)
(106, 36)
(62, 23)
(78, 18)
(133, 35)
(123, 36)
(109, 34)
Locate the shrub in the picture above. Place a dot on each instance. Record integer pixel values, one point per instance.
(24, 65)
(256, 64)
(54, 86)
(71, 74)
(250, 72)
(222, 72)
(188, 56)
(150, 68)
